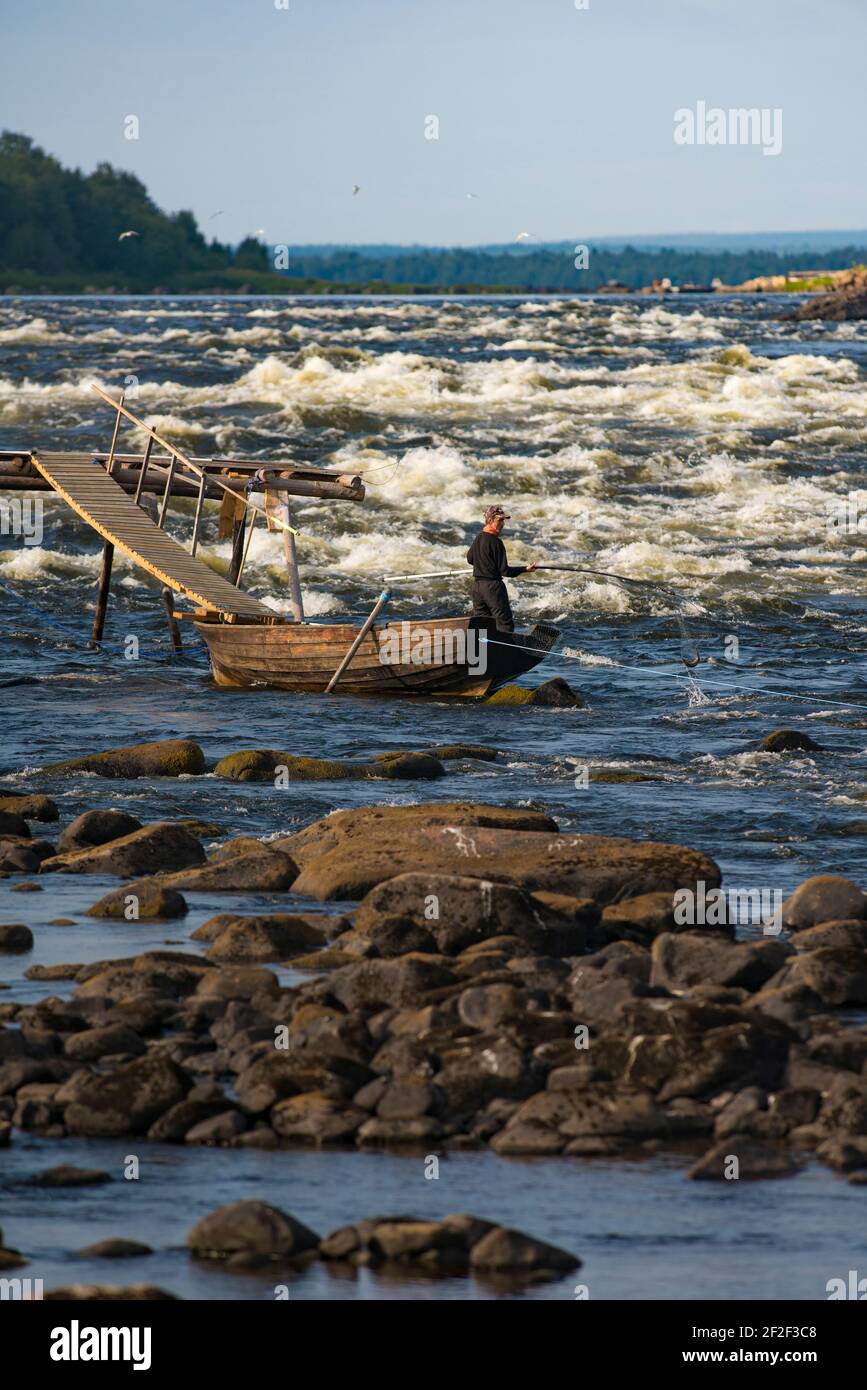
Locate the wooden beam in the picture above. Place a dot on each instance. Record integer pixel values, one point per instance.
(102, 594)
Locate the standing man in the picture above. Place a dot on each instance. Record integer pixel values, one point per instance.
(487, 555)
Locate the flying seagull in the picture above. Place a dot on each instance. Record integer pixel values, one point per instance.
(526, 236)
(472, 195)
(356, 188)
(123, 236)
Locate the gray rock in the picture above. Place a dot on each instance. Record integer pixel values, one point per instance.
(250, 1227)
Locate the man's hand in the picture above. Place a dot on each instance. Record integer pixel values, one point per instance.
(533, 566)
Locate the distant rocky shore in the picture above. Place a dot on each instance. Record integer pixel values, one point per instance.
(479, 979)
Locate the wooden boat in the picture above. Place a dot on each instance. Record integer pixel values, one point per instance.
(251, 646)
(465, 657)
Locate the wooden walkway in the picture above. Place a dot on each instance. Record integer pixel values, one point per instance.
(104, 505)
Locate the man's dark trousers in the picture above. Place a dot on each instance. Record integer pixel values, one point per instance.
(490, 600)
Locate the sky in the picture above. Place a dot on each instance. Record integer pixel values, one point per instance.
(559, 119)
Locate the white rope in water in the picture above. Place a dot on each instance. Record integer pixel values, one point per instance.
(649, 671)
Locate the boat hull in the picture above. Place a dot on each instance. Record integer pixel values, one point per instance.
(457, 657)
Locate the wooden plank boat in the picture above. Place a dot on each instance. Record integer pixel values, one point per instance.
(455, 657)
(251, 646)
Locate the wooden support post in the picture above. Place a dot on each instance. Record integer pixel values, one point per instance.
(144, 468)
(246, 546)
(110, 464)
(291, 555)
(197, 520)
(174, 630)
(237, 548)
(169, 480)
(102, 594)
(368, 624)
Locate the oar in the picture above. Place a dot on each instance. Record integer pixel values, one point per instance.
(362, 633)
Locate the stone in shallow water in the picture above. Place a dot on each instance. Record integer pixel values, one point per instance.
(67, 1175)
(250, 1227)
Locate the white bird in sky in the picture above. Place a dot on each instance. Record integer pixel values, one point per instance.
(123, 236)
(472, 195)
(259, 232)
(526, 236)
(356, 188)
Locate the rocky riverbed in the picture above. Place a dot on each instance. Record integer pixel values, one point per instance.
(425, 982)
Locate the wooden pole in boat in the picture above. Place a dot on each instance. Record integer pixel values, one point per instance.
(102, 594)
(291, 556)
(174, 631)
(246, 548)
(237, 548)
(368, 624)
(197, 520)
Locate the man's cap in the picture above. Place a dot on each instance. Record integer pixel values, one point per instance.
(492, 513)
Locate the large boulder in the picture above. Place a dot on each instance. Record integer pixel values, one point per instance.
(277, 936)
(586, 866)
(504, 1251)
(838, 975)
(29, 805)
(380, 983)
(155, 848)
(173, 757)
(250, 1228)
(458, 911)
(824, 898)
(251, 866)
(128, 1100)
(15, 825)
(550, 1120)
(681, 960)
(145, 900)
(96, 828)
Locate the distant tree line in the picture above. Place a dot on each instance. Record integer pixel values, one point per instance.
(61, 223)
(62, 229)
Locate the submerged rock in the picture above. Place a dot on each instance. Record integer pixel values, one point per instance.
(267, 764)
(754, 1160)
(66, 1175)
(174, 757)
(788, 741)
(553, 694)
(16, 936)
(115, 1248)
(93, 1293)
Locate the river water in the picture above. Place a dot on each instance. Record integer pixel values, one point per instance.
(703, 444)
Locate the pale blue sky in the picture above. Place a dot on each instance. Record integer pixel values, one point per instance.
(559, 119)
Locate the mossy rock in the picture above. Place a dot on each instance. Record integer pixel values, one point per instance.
(31, 807)
(788, 741)
(329, 958)
(621, 774)
(173, 757)
(406, 766)
(203, 829)
(262, 765)
(510, 695)
(477, 751)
